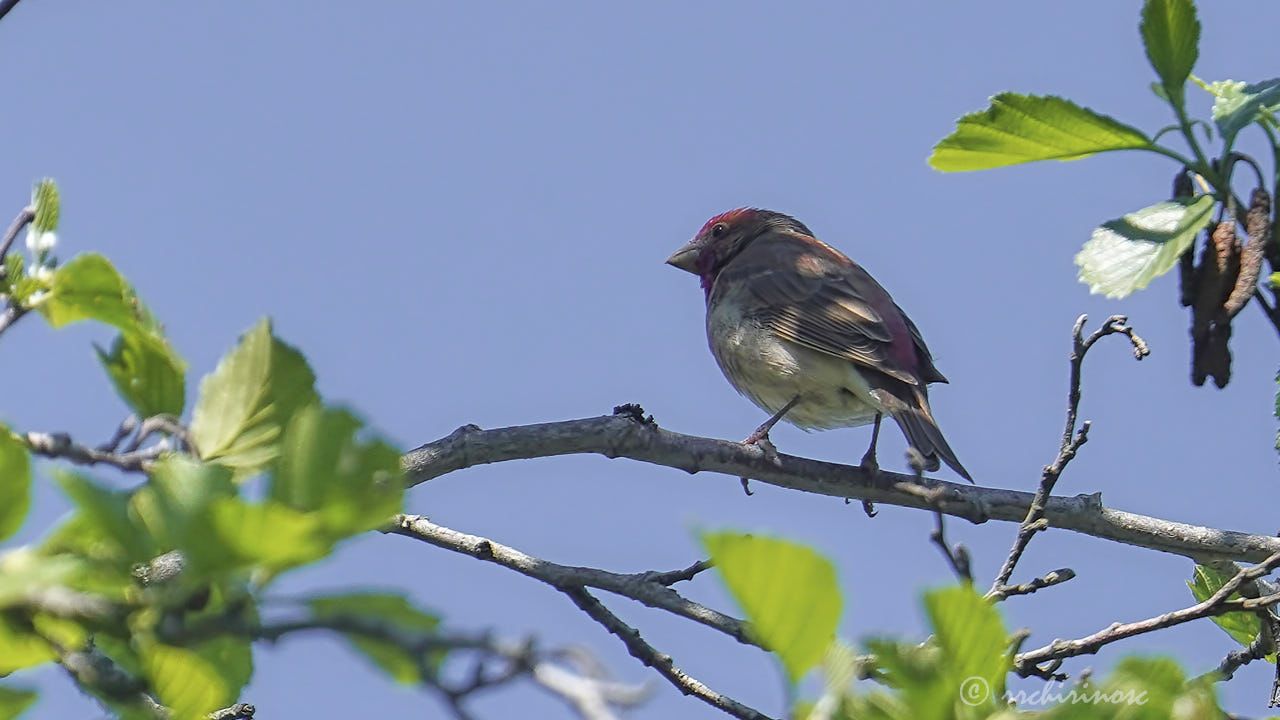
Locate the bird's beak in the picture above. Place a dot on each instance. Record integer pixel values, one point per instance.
(685, 258)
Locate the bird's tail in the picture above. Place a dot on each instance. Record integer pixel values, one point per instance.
(923, 434)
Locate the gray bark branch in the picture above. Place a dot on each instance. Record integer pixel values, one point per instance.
(627, 435)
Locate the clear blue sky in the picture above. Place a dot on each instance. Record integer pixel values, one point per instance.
(460, 213)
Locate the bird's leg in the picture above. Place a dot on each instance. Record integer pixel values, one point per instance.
(762, 432)
(760, 438)
(869, 464)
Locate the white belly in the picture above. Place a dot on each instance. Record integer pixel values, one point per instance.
(771, 372)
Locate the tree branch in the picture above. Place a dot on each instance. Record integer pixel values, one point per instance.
(1072, 439)
(649, 588)
(623, 434)
(6, 6)
(1217, 604)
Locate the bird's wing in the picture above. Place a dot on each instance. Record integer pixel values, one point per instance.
(808, 293)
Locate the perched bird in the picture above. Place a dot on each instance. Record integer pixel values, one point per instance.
(808, 335)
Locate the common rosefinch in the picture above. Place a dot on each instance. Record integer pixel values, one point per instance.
(808, 335)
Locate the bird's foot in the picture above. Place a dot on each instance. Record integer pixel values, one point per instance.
(760, 438)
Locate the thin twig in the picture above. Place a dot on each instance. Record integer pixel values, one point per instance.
(60, 445)
(659, 661)
(27, 214)
(1057, 577)
(674, 576)
(239, 711)
(1217, 604)
(6, 6)
(646, 587)
(957, 556)
(1072, 439)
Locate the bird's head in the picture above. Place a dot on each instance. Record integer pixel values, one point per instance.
(724, 236)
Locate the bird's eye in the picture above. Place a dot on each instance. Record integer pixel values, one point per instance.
(719, 229)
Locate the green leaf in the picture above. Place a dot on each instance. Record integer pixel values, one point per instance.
(1023, 128)
(267, 535)
(147, 373)
(106, 516)
(1243, 627)
(354, 485)
(15, 701)
(246, 402)
(20, 648)
(13, 272)
(1236, 104)
(15, 482)
(384, 610)
(175, 509)
(788, 592)
(89, 288)
(1141, 689)
(1171, 34)
(926, 691)
(24, 571)
(971, 635)
(233, 658)
(1126, 254)
(186, 683)
(47, 204)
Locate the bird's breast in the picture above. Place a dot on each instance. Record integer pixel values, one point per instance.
(770, 371)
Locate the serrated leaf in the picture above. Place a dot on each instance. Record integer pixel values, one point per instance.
(48, 206)
(14, 270)
(971, 635)
(146, 372)
(186, 683)
(1243, 627)
(384, 610)
(1236, 104)
(1019, 128)
(1171, 36)
(354, 485)
(787, 591)
(15, 701)
(1126, 254)
(15, 482)
(247, 401)
(89, 288)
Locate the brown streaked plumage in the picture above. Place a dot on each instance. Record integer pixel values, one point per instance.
(808, 335)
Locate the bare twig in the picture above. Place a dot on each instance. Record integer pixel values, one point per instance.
(957, 556)
(1072, 439)
(6, 6)
(674, 576)
(1057, 577)
(60, 445)
(10, 315)
(1027, 663)
(650, 656)
(26, 215)
(239, 711)
(647, 587)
